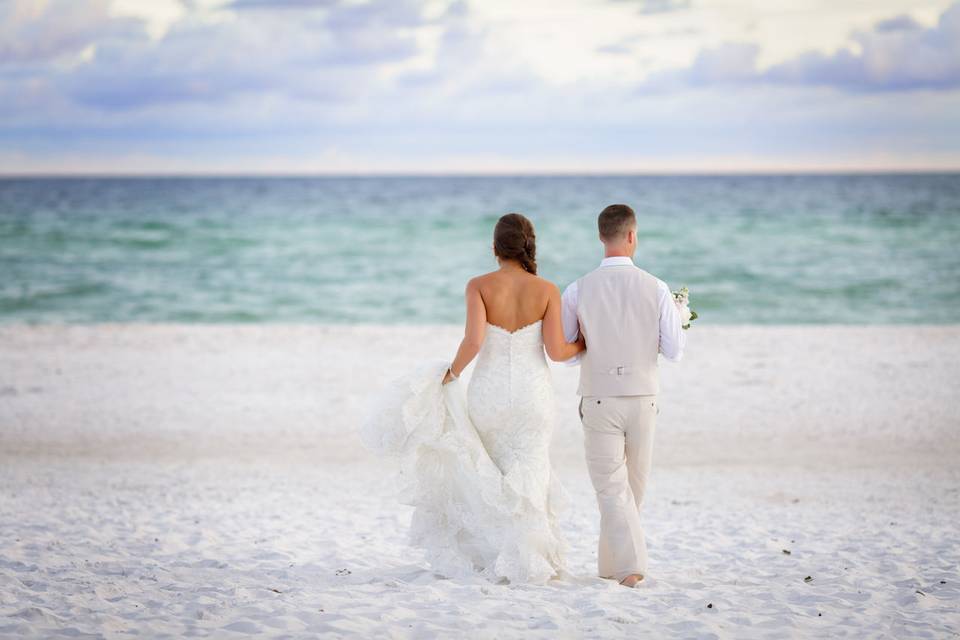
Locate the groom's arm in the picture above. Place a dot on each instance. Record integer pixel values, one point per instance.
(672, 337)
(568, 315)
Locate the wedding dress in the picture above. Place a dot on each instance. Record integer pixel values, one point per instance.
(477, 469)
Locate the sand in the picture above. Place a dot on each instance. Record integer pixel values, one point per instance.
(179, 481)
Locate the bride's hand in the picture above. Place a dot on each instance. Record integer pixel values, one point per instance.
(448, 377)
(581, 342)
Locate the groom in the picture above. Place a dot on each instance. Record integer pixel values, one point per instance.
(627, 317)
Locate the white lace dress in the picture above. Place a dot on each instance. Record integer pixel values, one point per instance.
(477, 469)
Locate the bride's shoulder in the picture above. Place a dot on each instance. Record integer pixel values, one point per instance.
(481, 281)
(482, 278)
(547, 287)
(543, 282)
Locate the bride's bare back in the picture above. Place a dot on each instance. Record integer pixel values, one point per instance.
(513, 298)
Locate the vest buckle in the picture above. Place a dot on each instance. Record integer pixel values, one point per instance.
(619, 371)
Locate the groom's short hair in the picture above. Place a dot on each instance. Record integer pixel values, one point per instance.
(615, 221)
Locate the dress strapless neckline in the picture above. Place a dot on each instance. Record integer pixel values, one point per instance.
(515, 331)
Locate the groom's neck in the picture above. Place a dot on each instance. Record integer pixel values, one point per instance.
(617, 252)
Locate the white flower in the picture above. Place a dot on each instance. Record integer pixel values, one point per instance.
(682, 296)
(682, 299)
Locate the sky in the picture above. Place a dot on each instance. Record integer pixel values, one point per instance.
(478, 86)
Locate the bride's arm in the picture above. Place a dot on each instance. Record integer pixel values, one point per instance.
(473, 333)
(554, 341)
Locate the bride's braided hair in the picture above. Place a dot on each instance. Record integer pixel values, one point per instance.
(514, 239)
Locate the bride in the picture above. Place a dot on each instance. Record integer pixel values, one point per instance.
(476, 469)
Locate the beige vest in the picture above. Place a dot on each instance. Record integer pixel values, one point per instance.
(619, 316)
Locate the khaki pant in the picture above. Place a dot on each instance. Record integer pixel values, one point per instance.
(618, 440)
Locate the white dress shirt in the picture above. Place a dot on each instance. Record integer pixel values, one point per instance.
(672, 336)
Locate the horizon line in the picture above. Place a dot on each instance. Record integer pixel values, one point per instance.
(480, 174)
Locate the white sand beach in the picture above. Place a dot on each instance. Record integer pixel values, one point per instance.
(191, 480)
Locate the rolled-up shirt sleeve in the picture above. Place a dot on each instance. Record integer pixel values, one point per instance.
(568, 315)
(672, 336)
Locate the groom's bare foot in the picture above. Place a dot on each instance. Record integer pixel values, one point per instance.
(632, 580)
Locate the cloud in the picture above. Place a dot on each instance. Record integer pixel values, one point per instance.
(732, 62)
(659, 6)
(617, 48)
(32, 32)
(898, 23)
(629, 44)
(282, 4)
(664, 6)
(468, 69)
(343, 13)
(330, 55)
(898, 54)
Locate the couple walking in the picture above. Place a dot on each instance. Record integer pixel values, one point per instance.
(476, 465)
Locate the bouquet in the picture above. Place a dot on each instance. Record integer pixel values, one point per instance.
(687, 315)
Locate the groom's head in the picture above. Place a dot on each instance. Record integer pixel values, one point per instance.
(618, 230)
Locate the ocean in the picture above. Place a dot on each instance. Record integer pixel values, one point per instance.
(848, 249)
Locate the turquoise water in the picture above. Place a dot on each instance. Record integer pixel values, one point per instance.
(811, 249)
